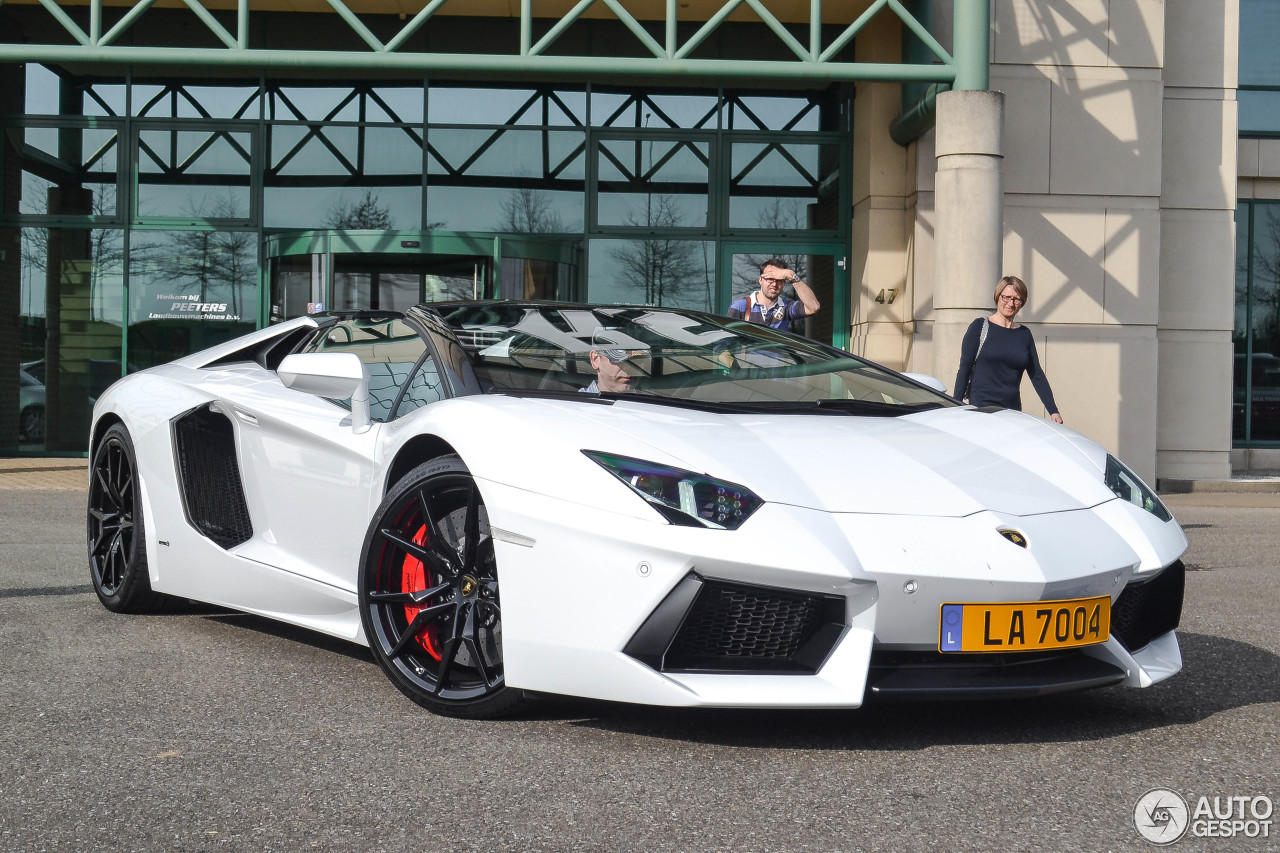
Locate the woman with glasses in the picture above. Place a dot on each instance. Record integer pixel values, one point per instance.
(996, 351)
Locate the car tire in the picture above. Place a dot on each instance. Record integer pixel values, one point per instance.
(116, 536)
(428, 593)
(31, 424)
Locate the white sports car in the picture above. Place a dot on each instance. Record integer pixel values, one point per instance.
(629, 503)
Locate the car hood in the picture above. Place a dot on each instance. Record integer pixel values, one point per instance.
(945, 462)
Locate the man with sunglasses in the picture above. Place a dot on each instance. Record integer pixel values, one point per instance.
(614, 370)
(768, 307)
(615, 366)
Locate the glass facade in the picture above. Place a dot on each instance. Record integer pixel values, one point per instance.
(1256, 407)
(188, 290)
(1259, 93)
(70, 329)
(1255, 418)
(156, 214)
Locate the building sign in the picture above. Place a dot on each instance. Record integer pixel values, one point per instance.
(187, 306)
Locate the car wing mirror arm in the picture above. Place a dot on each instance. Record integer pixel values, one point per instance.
(360, 421)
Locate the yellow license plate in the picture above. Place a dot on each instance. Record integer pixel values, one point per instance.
(1024, 626)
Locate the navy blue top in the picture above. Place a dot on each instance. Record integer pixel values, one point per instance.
(780, 316)
(996, 379)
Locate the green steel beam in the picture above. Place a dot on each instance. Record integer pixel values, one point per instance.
(918, 117)
(972, 42)
(413, 25)
(669, 31)
(813, 63)
(212, 23)
(918, 99)
(924, 35)
(815, 27)
(636, 28)
(123, 24)
(67, 24)
(356, 25)
(779, 29)
(581, 66)
(554, 33)
(707, 29)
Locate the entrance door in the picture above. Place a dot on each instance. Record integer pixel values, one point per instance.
(823, 266)
(315, 271)
(395, 282)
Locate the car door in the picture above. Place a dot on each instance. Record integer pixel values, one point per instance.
(310, 480)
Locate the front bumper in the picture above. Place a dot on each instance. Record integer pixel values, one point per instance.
(1143, 646)
(600, 605)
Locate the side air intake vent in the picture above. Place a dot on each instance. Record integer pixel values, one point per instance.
(707, 625)
(212, 493)
(1149, 609)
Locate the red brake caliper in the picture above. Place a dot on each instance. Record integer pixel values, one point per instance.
(414, 577)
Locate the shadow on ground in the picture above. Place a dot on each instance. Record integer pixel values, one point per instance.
(1218, 675)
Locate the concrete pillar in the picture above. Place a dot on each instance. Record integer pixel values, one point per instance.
(969, 212)
(880, 330)
(1197, 239)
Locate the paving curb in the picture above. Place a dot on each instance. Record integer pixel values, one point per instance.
(54, 474)
(1236, 485)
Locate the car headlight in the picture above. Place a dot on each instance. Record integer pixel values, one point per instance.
(1128, 486)
(682, 497)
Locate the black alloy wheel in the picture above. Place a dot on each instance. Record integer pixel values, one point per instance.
(429, 594)
(117, 546)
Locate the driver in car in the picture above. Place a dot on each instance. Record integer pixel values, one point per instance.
(615, 367)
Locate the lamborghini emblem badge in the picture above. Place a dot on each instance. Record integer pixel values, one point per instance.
(468, 585)
(1014, 536)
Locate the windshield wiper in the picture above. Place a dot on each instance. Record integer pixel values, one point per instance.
(611, 397)
(874, 407)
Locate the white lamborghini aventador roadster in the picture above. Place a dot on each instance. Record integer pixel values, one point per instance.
(748, 518)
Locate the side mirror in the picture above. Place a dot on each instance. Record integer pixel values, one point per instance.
(927, 381)
(337, 375)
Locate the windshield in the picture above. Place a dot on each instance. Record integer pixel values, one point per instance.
(670, 354)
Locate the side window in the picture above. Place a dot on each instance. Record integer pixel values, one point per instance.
(425, 387)
(387, 345)
(385, 379)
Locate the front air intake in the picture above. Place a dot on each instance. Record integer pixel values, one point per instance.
(1149, 609)
(707, 625)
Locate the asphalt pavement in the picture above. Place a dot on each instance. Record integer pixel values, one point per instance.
(203, 729)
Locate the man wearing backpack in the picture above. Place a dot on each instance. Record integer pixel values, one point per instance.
(768, 307)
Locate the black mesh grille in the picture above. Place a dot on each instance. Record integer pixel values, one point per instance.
(1146, 610)
(740, 627)
(896, 674)
(211, 487)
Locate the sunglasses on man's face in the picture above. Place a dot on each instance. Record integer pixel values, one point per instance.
(617, 356)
